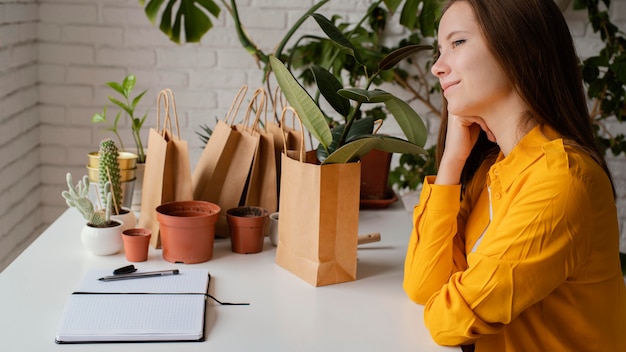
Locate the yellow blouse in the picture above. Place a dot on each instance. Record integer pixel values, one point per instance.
(545, 275)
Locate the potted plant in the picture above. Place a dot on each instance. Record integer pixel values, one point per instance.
(407, 177)
(109, 173)
(100, 235)
(132, 161)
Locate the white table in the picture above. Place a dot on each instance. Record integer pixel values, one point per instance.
(285, 313)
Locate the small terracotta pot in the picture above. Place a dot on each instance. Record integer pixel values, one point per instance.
(187, 230)
(136, 243)
(247, 228)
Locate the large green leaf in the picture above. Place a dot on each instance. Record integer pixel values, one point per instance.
(361, 127)
(310, 114)
(409, 121)
(328, 86)
(356, 149)
(337, 36)
(365, 96)
(400, 54)
(190, 12)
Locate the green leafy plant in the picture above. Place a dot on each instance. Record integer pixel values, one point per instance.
(128, 106)
(412, 168)
(190, 12)
(605, 75)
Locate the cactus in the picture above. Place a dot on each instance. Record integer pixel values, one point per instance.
(76, 197)
(109, 171)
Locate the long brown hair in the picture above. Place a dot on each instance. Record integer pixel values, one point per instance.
(532, 42)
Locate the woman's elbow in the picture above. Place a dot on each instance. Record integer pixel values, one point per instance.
(416, 293)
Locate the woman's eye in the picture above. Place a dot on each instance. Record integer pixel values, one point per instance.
(457, 42)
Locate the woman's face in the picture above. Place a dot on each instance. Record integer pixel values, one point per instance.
(471, 79)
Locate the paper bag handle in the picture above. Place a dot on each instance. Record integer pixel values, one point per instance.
(260, 96)
(167, 94)
(235, 105)
(279, 97)
(261, 110)
(282, 123)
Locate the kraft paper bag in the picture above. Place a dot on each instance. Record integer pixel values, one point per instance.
(167, 175)
(319, 220)
(262, 187)
(222, 171)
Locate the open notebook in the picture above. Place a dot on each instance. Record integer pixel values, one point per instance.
(164, 308)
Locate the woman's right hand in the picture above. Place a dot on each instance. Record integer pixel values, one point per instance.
(461, 136)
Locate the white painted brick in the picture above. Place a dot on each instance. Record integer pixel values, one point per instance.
(67, 54)
(23, 54)
(20, 12)
(65, 135)
(9, 34)
(92, 35)
(126, 57)
(68, 13)
(48, 32)
(19, 101)
(49, 94)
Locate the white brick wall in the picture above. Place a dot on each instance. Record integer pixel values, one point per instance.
(55, 57)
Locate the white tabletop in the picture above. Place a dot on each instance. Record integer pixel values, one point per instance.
(285, 313)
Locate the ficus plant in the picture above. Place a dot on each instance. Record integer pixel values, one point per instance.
(605, 75)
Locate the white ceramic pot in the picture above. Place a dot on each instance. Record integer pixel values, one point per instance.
(274, 228)
(102, 240)
(129, 219)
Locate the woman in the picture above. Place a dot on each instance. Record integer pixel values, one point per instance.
(515, 240)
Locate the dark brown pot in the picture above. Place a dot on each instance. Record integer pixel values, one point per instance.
(247, 228)
(187, 230)
(375, 174)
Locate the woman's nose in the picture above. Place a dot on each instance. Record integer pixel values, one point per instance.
(439, 68)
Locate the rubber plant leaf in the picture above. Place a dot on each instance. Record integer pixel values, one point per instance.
(392, 5)
(409, 121)
(328, 86)
(337, 37)
(310, 114)
(360, 127)
(365, 96)
(192, 12)
(358, 148)
(400, 54)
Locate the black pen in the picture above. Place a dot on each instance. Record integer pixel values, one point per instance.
(139, 275)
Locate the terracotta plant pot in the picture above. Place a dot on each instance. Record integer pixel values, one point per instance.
(102, 240)
(187, 230)
(136, 243)
(247, 228)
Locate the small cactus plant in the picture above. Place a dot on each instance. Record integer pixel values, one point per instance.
(109, 171)
(77, 197)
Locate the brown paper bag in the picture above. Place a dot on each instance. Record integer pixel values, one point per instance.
(222, 171)
(319, 220)
(167, 175)
(262, 187)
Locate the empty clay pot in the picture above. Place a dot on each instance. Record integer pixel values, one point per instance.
(136, 243)
(187, 230)
(247, 228)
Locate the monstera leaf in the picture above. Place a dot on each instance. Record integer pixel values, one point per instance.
(190, 12)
